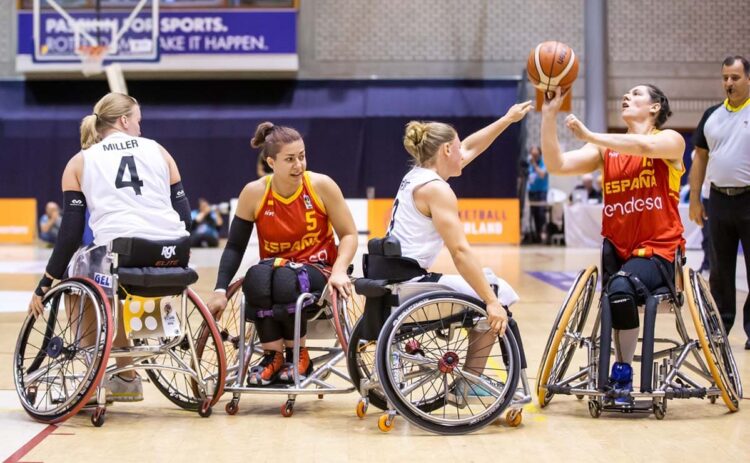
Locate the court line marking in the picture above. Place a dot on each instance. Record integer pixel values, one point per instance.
(29, 446)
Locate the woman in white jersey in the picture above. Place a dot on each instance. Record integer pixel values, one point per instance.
(425, 215)
(131, 187)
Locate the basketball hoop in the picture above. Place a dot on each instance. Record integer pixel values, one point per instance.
(92, 57)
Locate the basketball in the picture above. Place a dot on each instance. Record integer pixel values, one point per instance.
(552, 64)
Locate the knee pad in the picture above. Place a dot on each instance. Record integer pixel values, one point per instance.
(258, 286)
(624, 309)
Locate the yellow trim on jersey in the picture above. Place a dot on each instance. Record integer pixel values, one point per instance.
(314, 195)
(263, 199)
(737, 108)
(674, 175)
(290, 199)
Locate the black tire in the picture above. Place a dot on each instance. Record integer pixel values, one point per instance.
(180, 388)
(360, 363)
(428, 329)
(52, 343)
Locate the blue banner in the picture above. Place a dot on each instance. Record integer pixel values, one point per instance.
(204, 32)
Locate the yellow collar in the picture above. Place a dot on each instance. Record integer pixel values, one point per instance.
(735, 109)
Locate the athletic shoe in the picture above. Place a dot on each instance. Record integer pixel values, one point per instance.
(267, 371)
(121, 389)
(621, 381)
(305, 366)
(464, 392)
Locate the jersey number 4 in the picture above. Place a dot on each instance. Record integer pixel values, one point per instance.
(127, 163)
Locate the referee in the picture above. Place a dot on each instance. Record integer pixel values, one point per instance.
(722, 151)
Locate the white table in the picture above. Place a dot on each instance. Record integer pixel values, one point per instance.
(583, 226)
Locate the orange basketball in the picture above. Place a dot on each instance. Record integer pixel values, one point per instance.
(552, 64)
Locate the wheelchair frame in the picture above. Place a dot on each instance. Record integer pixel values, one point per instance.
(208, 390)
(416, 295)
(668, 380)
(313, 384)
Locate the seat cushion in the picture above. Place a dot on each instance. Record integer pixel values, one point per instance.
(156, 281)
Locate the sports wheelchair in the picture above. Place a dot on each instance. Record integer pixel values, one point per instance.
(408, 354)
(328, 318)
(62, 357)
(678, 371)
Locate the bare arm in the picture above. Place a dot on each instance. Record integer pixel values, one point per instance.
(343, 224)
(666, 144)
(443, 207)
(581, 161)
(697, 177)
(174, 172)
(476, 143)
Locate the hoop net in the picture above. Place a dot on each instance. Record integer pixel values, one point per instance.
(92, 59)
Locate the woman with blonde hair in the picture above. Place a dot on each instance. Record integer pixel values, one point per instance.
(425, 216)
(132, 188)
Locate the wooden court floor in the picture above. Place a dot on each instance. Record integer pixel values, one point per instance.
(328, 431)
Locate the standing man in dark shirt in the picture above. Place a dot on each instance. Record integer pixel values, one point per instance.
(722, 152)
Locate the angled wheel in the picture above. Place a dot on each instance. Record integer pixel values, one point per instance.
(207, 361)
(360, 363)
(566, 333)
(346, 313)
(427, 374)
(713, 339)
(60, 357)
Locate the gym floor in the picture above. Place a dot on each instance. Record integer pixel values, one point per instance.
(328, 430)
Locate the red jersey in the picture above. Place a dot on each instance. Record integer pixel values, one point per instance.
(295, 228)
(640, 215)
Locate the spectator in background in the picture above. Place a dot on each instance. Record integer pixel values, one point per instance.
(537, 188)
(585, 192)
(206, 223)
(49, 223)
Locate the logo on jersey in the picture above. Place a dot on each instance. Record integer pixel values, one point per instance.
(633, 206)
(404, 184)
(76, 202)
(103, 280)
(168, 251)
(308, 202)
(269, 213)
(613, 154)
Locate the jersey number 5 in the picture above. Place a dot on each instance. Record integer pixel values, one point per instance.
(128, 163)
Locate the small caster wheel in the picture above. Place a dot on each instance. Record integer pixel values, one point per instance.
(232, 407)
(361, 408)
(579, 397)
(31, 394)
(514, 418)
(97, 419)
(712, 399)
(660, 411)
(385, 423)
(595, 409)
(205, 409)
(287, 409)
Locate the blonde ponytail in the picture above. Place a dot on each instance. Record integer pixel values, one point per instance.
(107, 111)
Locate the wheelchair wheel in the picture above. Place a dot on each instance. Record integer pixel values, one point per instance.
(713, 339)
(421, 363)
(180, 388)
(566, 332)
(360, 363)
(60, 357)
(345, 316)
(229, 328)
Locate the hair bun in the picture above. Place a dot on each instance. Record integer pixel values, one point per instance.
(416, 132)
(261, 132)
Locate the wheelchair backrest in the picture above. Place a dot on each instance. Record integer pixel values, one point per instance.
(383, 261)
(139, 252)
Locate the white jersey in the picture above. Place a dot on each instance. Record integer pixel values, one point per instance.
(126, 185)
(418, 237)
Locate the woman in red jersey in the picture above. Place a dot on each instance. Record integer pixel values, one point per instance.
(641, 224)
(296, 213)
